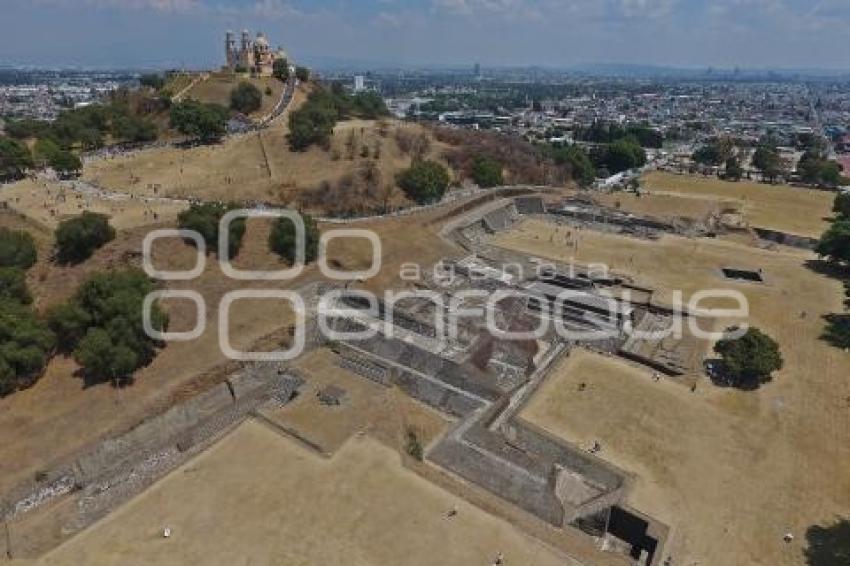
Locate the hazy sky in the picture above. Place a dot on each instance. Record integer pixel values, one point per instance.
(561, 33)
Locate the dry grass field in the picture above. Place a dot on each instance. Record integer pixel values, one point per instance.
(794, 210)
(257, 166)
(217, 88)
(730, 471)
(48, 203)
(258, 498)
(58, 417)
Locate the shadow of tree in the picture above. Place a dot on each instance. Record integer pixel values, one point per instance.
(828, 268)
(716, 371)
(837, 332)
(830, 545)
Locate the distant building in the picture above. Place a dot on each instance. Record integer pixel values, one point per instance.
(359, 83)
(255, 56)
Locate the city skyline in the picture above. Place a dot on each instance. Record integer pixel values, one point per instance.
(750, 34)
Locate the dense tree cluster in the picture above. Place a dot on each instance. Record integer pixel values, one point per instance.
(607, 132)
(49, 154)
(581, 167)
(715, 153)
(13, 285)
(79, 237)
(246, 98)
(205, 218)
(313, 123)
(424, 182)
(202, 121)
(154, 81)
(282, 239)
(123, 118)
(767, 160)
(622, 155)
(25, 346)
(102, 326)
(834, 245)
(487, 172)
(815, 169)
(15, 159)
(17, 249)
(749, 361)
(25, 341)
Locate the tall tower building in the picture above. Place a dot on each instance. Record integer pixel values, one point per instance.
(230, 50)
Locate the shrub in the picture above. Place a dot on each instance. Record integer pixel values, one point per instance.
(246, 98)
(302, 74)
(282, 239)
(103, 325)
(25, 345)
(749, 360)
(17, 249)
(487, 172)
(79, 237)
(13, 285)
(413, 446)
(205, 218)
(424, 182)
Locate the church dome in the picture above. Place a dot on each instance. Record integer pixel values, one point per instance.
(261, 40)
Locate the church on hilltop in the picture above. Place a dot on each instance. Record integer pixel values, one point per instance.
(254, 56)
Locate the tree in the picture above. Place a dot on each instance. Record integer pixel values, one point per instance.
(302, 74)
(715, 152)
(828, 545)
(65, 163)
(817, 170)
(835, 242)
(15, 159)
(105, 326)
(17, 249)
(69, 322)
(152, 80)
(582, 170)
(206, 122)
(13, 285)
(205, 218)
(767, 160)
(424, 182)
(246, 98)
(841, 206)
(282, 239)
(25, 345)
(749, 361)
(733, 170)
(487, 172)
(623, 155)
(77, 238)
(312, 124)
(134, 129)
(103, 358)
(280, 69)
